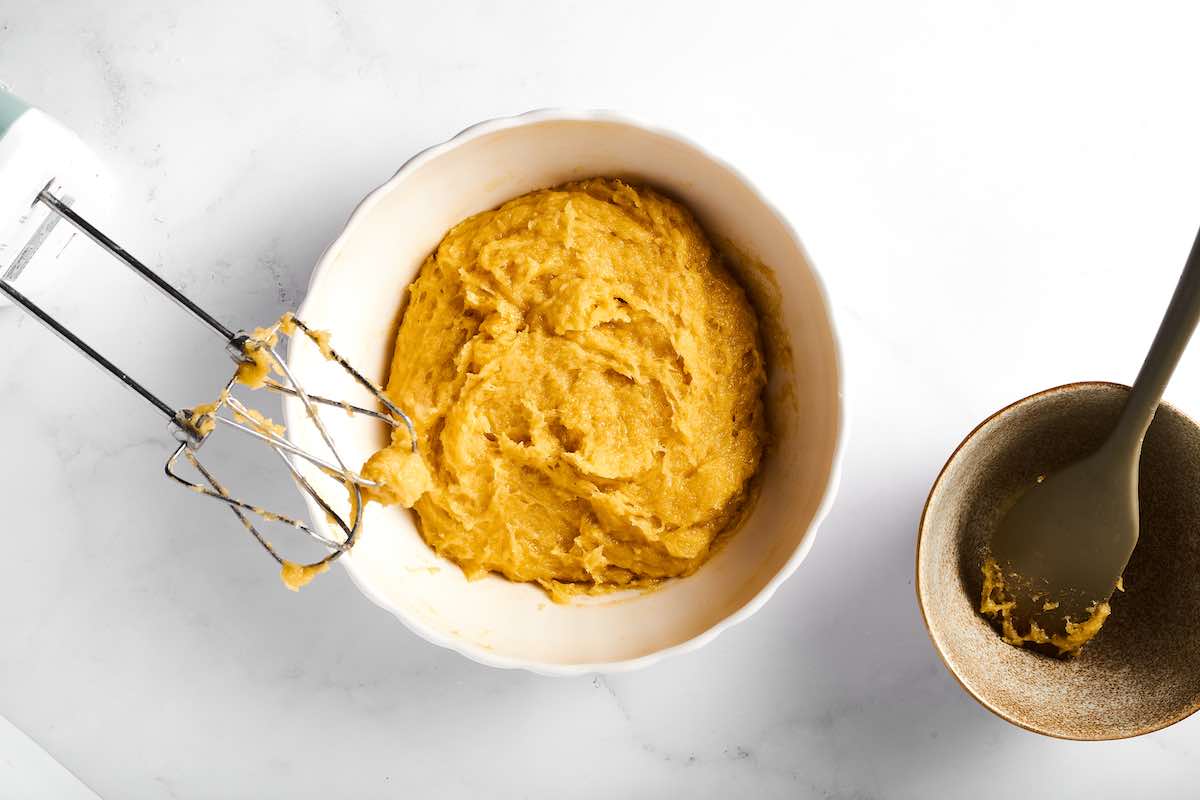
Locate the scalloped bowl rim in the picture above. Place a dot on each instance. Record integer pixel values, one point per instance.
(491, 659)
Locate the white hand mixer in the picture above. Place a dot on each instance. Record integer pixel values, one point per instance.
(43, 167)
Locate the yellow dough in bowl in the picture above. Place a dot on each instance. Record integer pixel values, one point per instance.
(586, 379)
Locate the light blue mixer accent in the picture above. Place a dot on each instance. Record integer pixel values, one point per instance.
(11, 109)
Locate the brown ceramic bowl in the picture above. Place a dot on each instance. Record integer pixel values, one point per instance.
(1142, 672)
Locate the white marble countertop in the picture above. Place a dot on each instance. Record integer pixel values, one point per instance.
(1000, 197)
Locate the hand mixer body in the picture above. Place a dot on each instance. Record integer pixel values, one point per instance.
(36, 153)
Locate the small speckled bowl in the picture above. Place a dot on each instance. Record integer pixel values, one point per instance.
(1142, 672)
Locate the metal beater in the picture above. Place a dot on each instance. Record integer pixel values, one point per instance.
(34, 148)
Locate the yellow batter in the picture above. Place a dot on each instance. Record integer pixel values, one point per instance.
(998, 604)
(586, 380)
(297, 576)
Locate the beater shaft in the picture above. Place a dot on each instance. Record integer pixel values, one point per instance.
(192, 429)
(97, 236)
(54, 325)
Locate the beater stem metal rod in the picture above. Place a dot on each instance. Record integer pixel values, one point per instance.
(83, 347)
(97, 236)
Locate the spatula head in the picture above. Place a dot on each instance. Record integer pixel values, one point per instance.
(1061, 549)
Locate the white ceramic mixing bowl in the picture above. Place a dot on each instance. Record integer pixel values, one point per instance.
(356, 292)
